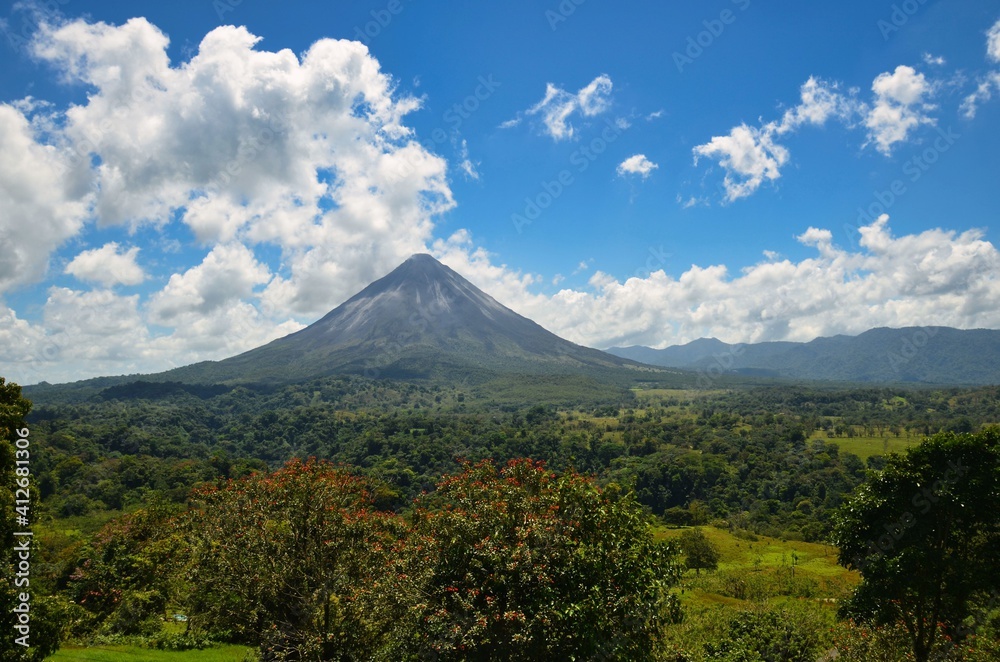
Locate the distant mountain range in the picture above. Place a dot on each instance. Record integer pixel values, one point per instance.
(423, 320)
(928, 355)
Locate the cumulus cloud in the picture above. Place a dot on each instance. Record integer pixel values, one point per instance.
(107, 266)
(751, 155)
(89, 333)
(637, 164)
(44, 195)
(899, 107)
(228, 273)
(306, 153)
(936, 277)
(558, 106)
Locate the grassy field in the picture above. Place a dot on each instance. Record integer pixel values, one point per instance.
(764, 569)
(865, 447)
(800, 581)
(115, 653)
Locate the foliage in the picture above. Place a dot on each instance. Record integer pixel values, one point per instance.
(512, 563)
(765, 636)
(131, 571)
(764, 462)
(535, 565)
(300, 564)
(925, 535)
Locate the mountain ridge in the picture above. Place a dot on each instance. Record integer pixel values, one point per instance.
(921, 355)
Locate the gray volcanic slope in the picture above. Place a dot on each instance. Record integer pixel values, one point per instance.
(421, 320)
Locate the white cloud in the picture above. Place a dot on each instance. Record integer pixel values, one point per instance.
(107, 266)
(342, 189)
(87, 334)
(993, 42)
(751, 155)
(899, 108)
(558, 106)
(933, 60)
(307, 153)
(819, 101)
(248, 148)
(466, 164)
(989, 83)
(637, 164)
(936, 277)
(43, 195)
(228, 273)
(984, 92)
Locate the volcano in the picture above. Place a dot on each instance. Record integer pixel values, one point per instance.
(422, 320)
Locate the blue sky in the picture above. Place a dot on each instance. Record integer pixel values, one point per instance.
(173, 189)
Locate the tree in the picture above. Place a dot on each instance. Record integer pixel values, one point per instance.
(529, 564)
(699, 552)
(925, 534)
(131, 571)
(298, 563)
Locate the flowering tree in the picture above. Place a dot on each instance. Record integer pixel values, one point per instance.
(534, 565)
(299, 563)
